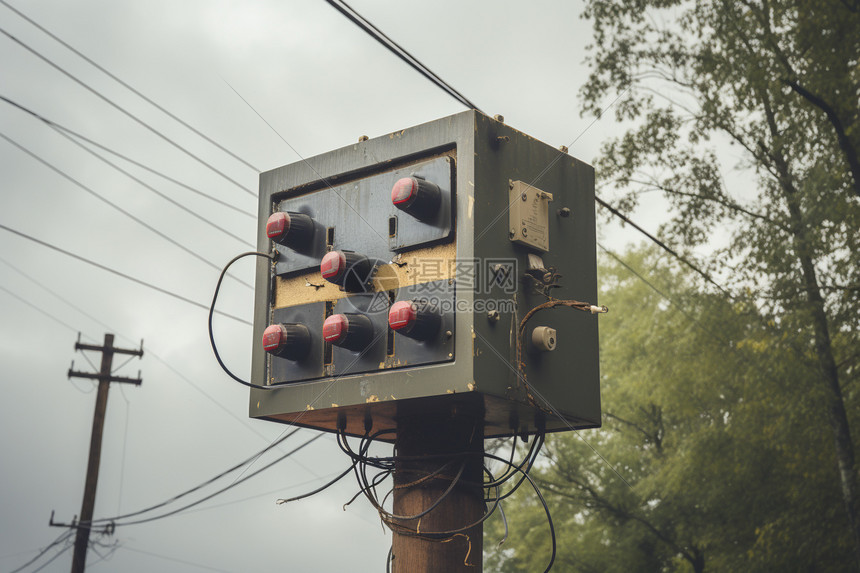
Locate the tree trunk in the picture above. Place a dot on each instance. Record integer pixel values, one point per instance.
(836, 415)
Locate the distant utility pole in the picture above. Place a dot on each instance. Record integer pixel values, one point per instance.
(105, 378)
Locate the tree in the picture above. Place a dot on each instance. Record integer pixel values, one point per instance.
(779, 80)
(721, 460)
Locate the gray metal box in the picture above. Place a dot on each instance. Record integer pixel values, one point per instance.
(472, 258)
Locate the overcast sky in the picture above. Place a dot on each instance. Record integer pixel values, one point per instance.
(322, 83)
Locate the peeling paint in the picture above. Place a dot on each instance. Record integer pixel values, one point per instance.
(372, 398)
(449, 391)
(471, 386)
(333, 405)
(309, 407)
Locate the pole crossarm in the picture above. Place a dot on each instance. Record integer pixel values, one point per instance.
(104, 376)
(97, 376)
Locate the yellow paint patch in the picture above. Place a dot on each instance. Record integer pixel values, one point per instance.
(373, 398)
(417, 267)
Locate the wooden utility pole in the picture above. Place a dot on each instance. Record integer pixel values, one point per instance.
(104, 377)
(431, 451)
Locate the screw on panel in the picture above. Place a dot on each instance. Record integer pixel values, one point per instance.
(362, 138)
(503, 138)
(512, 233)
(499, 118)
(562, 148)
(494, 316)
(564, 212)
(448, 334)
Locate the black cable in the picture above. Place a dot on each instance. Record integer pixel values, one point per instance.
(127, 86)
(370, 29)
(545, 508)
(39, 310)
(661, 244)
(124, 111)
(212, 312)
(52, 559)
(145, 185)
(200, 486)
(353, 16)
(118, 273)
(113, 205)
(325, 486)
(62, 537)
(226, 488)
(115, 153)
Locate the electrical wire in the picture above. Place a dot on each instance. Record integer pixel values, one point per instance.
(52, 559)
(662, 245)
(126, 112)
(212, 311)
(201, 485)
(116, 207)
(115, 153)
(118, 273)
(39, 310)
(166, 558)
(224, 489)
(147, 186)
(308, 163)
(353, 16)
(374, 32)
(60, 539)
(546, 510)
(126, 85)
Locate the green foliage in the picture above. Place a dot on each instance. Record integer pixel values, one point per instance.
(772, 89)
(722, 460)
(727, 418)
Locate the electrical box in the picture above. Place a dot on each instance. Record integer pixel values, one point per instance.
(405, 266)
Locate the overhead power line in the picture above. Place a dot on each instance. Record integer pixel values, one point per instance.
(63, 537)
(661, 244)
(396, 49)
(380, 37)
(126, 85)
(115, 153)
(120, 274)
(145, 185)
(126, 112)
(216, 493)
(110, 203)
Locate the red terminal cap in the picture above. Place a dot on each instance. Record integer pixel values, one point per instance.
(402, 315)
(334, 328)
(333, 264)
(404, 191)
(273, 337)
(278, 225)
